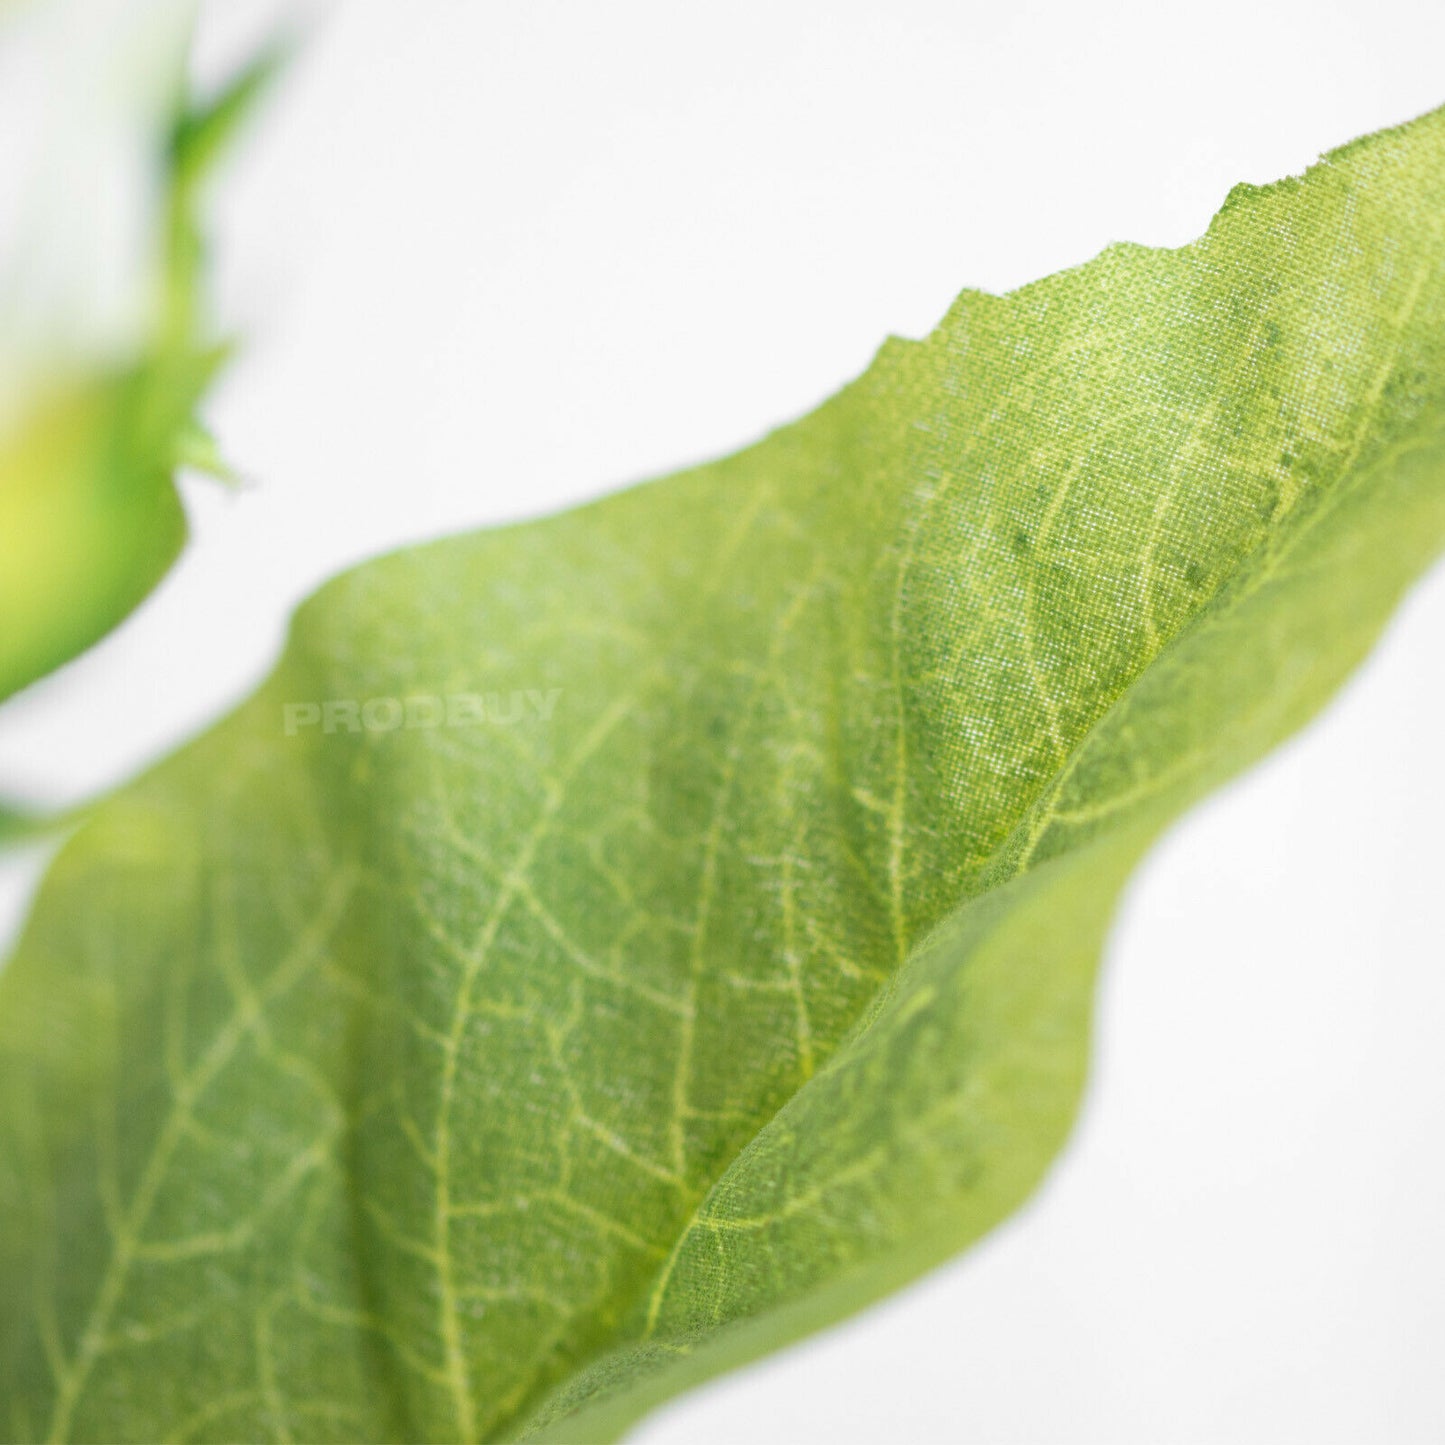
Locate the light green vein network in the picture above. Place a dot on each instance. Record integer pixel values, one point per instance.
(466, 1083)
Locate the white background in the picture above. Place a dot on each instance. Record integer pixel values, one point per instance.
(494, 258)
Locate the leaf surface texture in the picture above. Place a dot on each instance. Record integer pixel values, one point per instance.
(472, 1082)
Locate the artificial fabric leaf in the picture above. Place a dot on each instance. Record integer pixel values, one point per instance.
(90, 520)
(609, 947)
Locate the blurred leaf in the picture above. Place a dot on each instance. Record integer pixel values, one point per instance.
(372, 1072)
(90, 519)
(16, 824)
(89, 516)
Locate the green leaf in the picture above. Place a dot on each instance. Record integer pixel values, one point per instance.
(25, 825)
(460, 1079)
(90, 519)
